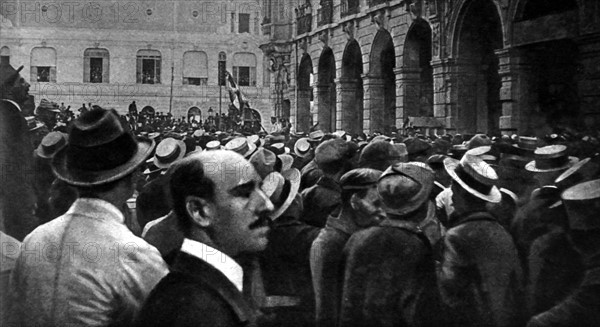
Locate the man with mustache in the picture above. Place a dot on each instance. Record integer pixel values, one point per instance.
(224, 214)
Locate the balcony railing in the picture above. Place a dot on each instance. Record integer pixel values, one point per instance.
(325, 14)
(373, 3)
(349, 7)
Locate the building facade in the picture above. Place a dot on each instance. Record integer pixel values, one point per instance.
(162, 54)
(459, 66)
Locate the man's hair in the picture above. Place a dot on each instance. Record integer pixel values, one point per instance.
(188, 178)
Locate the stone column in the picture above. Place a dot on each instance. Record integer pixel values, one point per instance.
(374, 113)
(408, 82)
(324, 107)
(589, 85)
(347, 106)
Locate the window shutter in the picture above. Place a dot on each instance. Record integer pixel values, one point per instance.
(235, 74)
(105, 69)
(157, 70)
(52, 78)
(86, 69)
(33, 74)
(139, 71)
(253, 76)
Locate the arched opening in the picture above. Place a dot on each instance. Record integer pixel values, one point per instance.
(382, 64)
(194, 115)
(305, 94)
(551, 84)
(326, 91)
(353, 92)
(479, 35)
(417, 73)
(147, 111)
(4, 55)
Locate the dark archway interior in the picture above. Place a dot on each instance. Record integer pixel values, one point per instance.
(539, 8)
(305, 94)
(417, 55)
(480, 35)
(352, 68)
(383, 62)
(327, 100)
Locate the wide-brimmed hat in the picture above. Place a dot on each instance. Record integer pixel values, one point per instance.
(551, 158)
(8, 74)
(241, 146)
(281, 188)
(213, 145)
(168, 151)
(479, 140)
(99, 151)
(256, 140)
(264, 161)
(526, 145)
(483, 152)
(405, 187)
(475, 176)
(278, 148)
(286, 161)
(580, 172)
(302, 147)
(46, 105)
(51, 144)
(360, 178)
(582, 203)
(316, 136)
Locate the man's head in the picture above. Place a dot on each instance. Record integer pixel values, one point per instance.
(333, 157)
(12, 85)
(359, 193)
(218, 194)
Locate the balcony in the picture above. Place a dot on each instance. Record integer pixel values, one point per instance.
(304, 19)
(373, 3)
(325, 14)
(349, 7)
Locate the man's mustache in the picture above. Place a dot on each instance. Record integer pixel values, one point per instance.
(262, 221)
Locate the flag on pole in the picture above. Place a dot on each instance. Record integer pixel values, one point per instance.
(235, 95)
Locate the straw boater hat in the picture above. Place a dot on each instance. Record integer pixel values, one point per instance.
(405, 187)
(241, 146)
(100, 150)
(302, 147)
(281, 188)
(263, 161)
(51, 144)
(475, 176)
(316, 136)
(582, 171)
(526, 145)
(551, 158)
(213, 145)
(168, 151)
(483, 152)
(582, 202)
(286, 161)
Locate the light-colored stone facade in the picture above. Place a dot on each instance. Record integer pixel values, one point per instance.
(494, 66)
(124, 28)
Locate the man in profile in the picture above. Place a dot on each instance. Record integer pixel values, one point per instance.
(223, 212)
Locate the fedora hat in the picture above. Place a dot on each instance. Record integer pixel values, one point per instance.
(51, 144)
(405, 187)
(8, 74)
(241, 146)
(99, 150)
(479, 140)
(168, 151)
(580, 172)
(551, 158)
(213, 145)
(582, 203)
(302, 147)
(475, 176)
(264, 161)
(46, 105)
(281, 188)
(332, 150)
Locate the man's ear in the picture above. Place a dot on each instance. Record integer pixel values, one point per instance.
(200, 210)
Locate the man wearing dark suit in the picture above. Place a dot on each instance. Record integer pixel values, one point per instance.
(224, 214)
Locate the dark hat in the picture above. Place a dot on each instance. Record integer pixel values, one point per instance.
(168, 151)
(405, 187)
(479, 140)
(263, 161)
(46, 105)
(582, 203)
(281, 188)
(51, 144)
(551, 158)
(360, 178)
(100, 150)
(8, 75)
(527, 145)
(475, 176)
(332, 150)
(581, 172)
(302, 147)
(416, 146)
(441, 146)
(379, 155)
(277, 148)
(241, 146)
(381, 138)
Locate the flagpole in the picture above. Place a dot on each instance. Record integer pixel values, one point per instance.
(171, 95)
(220, 101)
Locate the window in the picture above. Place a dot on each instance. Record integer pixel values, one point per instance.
(95, 66)
(43, 65)
(222, 67)
(244, 23)
(148, 67)
(244, 68)
(195, 68)
(4, 56)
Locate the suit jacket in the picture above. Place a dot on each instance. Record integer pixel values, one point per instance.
(320, 200)
(389, 278)
(152, 202)
(480, 278)
(195, 293)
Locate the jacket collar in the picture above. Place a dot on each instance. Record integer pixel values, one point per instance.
(96, 209)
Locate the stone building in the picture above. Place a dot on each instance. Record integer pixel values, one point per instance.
(162, 54)
(459, 66)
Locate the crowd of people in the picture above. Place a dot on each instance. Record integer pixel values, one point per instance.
(108, 223)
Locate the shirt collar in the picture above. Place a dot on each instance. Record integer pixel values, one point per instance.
(96, 208)
(219, 260)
